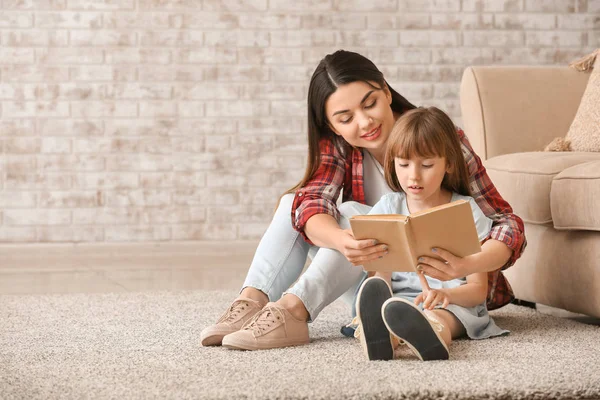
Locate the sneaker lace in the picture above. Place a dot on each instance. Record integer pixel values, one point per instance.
(355, 323)
(435, 323)
(234, 311)
(396, 343)
(264, 319)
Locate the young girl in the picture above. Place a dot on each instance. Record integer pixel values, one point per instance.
(351, 112)
(425, 168)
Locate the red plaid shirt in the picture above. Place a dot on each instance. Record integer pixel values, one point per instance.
(320, 194)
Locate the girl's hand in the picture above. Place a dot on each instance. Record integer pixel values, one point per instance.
(431, 298)
(360, 251)
(454, 267)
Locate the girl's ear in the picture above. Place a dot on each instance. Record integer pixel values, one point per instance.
(449, 168)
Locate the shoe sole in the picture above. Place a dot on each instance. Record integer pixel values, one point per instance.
(375, 335)
(240, 344)
(213, 340)
(405, 321)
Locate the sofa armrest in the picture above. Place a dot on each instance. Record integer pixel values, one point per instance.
(517, 109)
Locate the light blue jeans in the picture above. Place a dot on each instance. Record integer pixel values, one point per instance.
(281, 254)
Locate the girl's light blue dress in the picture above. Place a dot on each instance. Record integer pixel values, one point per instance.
(476, 320)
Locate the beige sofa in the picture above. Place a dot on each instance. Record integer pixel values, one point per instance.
(509, 115)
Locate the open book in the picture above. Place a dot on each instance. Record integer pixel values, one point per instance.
(449, 226)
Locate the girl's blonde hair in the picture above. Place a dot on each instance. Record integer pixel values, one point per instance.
(427, 132)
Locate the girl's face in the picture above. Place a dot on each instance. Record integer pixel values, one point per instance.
(361, 114)
(421, 178)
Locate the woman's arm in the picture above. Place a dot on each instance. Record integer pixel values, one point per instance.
(319, 195)
(507, 227)
(493, 256)
(324, 231)
(315, 214)
(507, 238)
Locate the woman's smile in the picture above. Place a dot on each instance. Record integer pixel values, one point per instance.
(373, 134)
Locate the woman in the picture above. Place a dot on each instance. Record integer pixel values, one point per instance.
(351, 111)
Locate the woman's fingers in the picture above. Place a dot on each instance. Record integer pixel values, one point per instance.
(365, 254)
(365, 243)
(436, 269)
(450, 267)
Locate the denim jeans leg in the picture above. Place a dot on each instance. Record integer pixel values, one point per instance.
(280, 256)
(330, 274)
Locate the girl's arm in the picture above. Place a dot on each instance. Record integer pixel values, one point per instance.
(471, 294)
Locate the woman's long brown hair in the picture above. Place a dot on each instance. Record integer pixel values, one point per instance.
(339, 68)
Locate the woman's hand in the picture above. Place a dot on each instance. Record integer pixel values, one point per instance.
(494, 254)
(360, 251)
(454, 267)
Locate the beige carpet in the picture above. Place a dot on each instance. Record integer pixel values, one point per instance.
(144, 345)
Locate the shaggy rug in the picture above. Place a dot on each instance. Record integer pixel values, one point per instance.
(145, 345)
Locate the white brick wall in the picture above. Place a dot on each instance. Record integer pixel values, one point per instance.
(158, 120)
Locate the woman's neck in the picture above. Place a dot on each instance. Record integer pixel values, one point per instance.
(377, 154)
(442, 196)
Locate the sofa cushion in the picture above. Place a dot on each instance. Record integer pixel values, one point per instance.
(525, 180)
(575, 197)
(584, 132)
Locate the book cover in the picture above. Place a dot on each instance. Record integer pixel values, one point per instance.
(449, 226)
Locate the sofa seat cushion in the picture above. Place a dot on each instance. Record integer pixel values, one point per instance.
(525, 179)
(575, 197)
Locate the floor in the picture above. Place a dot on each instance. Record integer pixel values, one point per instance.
(104, 268)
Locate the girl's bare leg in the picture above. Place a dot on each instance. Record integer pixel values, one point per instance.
(452, 326)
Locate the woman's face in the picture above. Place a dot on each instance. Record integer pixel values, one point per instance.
(361, 114)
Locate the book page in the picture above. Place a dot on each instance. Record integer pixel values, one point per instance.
(449, 227)
(391, 231)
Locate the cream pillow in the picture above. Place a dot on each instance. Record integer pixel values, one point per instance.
(584, 133)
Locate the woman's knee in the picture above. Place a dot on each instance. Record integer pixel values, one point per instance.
(285, 203)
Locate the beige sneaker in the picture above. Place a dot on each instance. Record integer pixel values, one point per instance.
(273, 327)
(240, 311)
